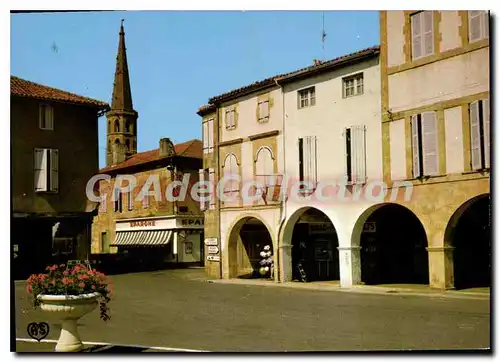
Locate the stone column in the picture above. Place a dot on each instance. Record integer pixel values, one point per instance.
(441, 267)
(285, 263)
(350, 265)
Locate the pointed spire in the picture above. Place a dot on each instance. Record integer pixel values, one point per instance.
(122, 96)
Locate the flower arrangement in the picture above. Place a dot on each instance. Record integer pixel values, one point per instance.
(71, 280)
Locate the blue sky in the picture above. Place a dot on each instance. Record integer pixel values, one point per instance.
(177, 60)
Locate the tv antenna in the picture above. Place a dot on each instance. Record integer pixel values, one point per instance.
(323, 36)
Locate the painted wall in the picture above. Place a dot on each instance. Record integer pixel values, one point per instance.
(447, 79)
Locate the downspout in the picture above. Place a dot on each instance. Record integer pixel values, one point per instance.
(283, 197)
(217, 175)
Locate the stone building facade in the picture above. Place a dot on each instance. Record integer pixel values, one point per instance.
(435, 74)
(409, 118)
(54, 153)
(162, 226)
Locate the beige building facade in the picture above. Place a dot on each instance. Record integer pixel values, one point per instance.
(435, 75)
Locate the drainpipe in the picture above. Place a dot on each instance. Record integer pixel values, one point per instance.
(283, 200)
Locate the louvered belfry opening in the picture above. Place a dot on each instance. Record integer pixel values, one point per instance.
(393, 247)
(314, 248)
(469, 233)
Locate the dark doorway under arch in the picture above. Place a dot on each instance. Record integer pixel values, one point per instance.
(314, 248)
(471, 239)
(247, 240)
(393, 247)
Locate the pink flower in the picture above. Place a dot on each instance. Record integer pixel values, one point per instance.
(53, 282)
(81, 285)
(80, 277)
(93, 287)
(65, 272)
(29, 289)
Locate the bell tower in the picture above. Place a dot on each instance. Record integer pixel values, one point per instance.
(122, 118)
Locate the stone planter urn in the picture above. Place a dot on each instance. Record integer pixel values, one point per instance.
(69, 309)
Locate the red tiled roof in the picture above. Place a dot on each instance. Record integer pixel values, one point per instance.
(191, 149)
(205, 109)
(318, 66)
(24, 88)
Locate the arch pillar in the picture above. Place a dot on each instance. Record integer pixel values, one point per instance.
(350, 265)
(441, 274)
(285, 262)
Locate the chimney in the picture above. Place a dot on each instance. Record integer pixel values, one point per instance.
(166, 148)
(118, 153)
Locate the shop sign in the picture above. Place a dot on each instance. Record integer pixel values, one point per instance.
(213, 249)
(140, 223)
(211, 241)
(192, 222)
(213, 258)
(369, 227)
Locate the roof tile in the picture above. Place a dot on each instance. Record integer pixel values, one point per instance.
(24, 88)
(191, 149)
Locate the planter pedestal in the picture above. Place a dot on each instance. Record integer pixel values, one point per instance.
(69, 309)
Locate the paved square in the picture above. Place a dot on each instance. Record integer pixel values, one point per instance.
(178, 309)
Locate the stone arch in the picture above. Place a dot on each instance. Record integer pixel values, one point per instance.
(117, 126)
(393, 245)
(263, 148)
(246, 238)
(127, 145)
(129, 127)
(468, 233)
(309, 243)
(117, 141)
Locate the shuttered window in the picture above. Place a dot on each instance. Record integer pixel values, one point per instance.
(479, 116)
(46, 170)
(208, 136)
(416, 145)
(201, 174)
(425, 144)
(308, 162)
(46, 117)
(478, 25)
(230, 118)
(422, 31)
(355, 154)
(118, 200)
(213, 194)
(263, 110)
(231, 187)
(264, 168)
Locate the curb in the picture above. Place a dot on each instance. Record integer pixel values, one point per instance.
(360, 289)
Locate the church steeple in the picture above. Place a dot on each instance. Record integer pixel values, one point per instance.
(122, 118)
(122, 96)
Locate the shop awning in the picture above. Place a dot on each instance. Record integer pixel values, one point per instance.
(143, 238)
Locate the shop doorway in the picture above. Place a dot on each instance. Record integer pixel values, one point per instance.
(314, 248)
(247, 240)
(469, 232)
(393, 247)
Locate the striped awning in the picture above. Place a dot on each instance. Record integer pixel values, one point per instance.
(143, 238)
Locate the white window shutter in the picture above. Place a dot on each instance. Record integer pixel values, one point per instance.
(49, 117)
(201, 173)
(211, 178)
(205, 137)
(263, 109)
(416, 32)
(415, 147)
(40, 169)
(475, 25)
(430, 147)
(307, 159)
(234, 171)
(210, 134)
(345, 153)
(312, 154)
(54, 170)
(486, 132)
(428, 32)
(358, 158)
(486, 23)
(475, 136)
